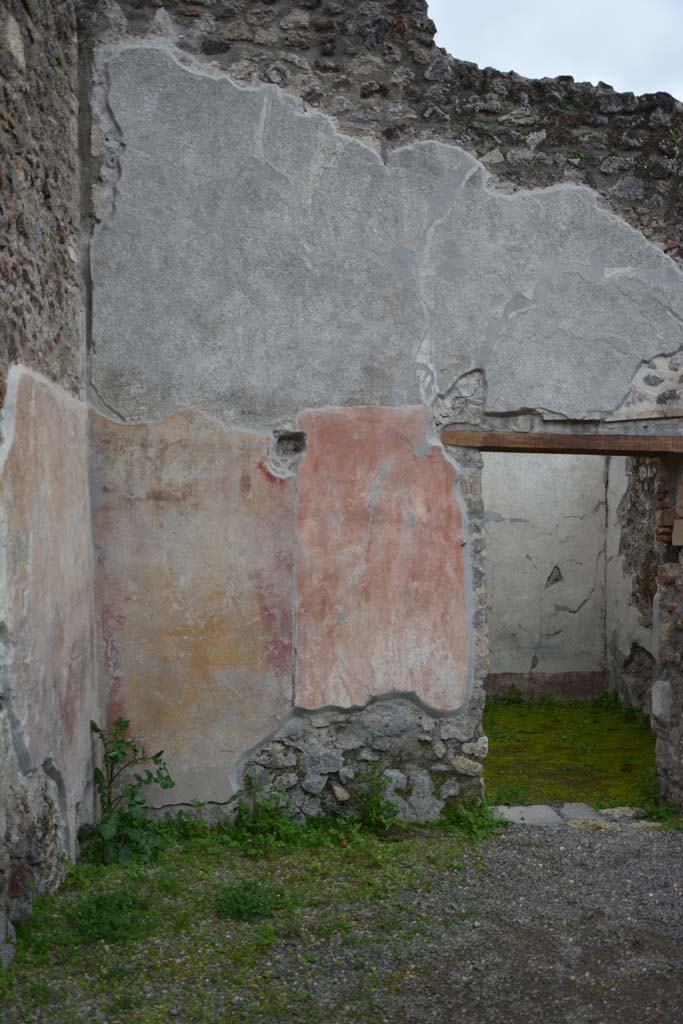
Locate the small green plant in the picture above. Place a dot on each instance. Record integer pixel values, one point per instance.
(246, 901)
(373, 807)
(5, 986)
(184, 825)
(124, 832)
(111, 917)
(579, 154)
(59, 62)
(472, 819)
(653, 807)
(263, 821)
(169, 885)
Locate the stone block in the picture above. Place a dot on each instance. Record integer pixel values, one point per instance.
(477, 749)
(536, 814)
(466, 766)
(578, 812)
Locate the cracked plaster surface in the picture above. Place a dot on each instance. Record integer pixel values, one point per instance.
(545, 539)
(252, 261)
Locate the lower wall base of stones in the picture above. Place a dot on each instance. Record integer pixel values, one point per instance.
(318, 759)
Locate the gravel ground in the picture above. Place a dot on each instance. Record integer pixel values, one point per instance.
(567, 926)
(555, 925)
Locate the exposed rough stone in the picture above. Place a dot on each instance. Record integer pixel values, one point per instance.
(339, 792)
(460, 728)
(421, 803)
(478, 750)
(450, 788)
(466, 766)
(397, 779)
(633, 554)
(323, 762)
(667, 698)
(619, 814)
(39, 197)
(329, 767)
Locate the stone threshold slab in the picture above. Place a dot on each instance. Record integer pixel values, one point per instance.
(575, 815)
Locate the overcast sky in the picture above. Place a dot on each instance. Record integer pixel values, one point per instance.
(634, 45)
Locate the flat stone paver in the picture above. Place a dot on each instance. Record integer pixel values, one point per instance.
(579, 812)
(536, 814)
(619, 814)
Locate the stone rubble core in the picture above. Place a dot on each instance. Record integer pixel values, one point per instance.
(667, 692)
(316, 759)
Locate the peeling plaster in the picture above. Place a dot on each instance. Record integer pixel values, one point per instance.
(574, 299)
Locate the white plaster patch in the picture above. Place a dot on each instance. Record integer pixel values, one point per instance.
(15, 42)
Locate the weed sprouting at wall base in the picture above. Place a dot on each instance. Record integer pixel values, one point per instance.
(124, 832)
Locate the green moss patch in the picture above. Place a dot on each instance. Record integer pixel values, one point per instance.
(545, 751)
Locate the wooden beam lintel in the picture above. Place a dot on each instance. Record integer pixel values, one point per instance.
(557, 444)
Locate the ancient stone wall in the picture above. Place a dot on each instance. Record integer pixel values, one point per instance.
(281, 310)
(545, 562)
(39, 192)
(48, 690)
(331, 301)
(667, 693)
(645, 504)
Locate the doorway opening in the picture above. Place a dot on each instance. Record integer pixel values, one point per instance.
(581, 534)
(562, 623)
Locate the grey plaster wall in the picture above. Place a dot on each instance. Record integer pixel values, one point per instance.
(374, 65)
(545, 559)
(252, 261)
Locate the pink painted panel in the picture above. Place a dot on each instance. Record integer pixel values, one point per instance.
(195, 546)
(47, 581)
(380, 574)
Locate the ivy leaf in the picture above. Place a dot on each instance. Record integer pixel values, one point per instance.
(109, 827)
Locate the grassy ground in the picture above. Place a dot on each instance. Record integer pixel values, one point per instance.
(547, 751)
(219, 931)
(272, 922)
